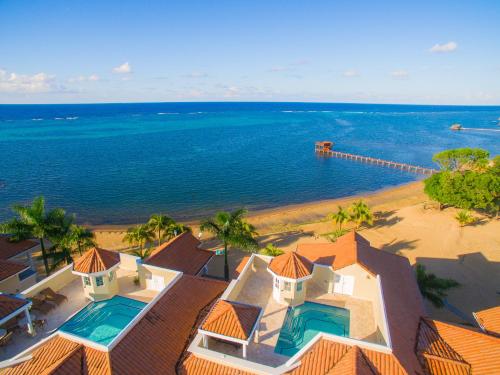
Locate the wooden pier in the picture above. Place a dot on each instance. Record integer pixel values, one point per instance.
(324, 149)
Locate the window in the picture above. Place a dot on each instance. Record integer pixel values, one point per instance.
(288, 286)
(86, 281)
(299, 286)
(276, 283)
(99, 281)
(110, 276)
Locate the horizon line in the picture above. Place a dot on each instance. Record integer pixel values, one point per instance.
(252, 101)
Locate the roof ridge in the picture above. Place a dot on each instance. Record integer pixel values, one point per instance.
(468, 330)
(60, 361)
(361, 356)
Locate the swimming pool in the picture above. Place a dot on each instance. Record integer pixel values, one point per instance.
(102, 321)
(303, 322)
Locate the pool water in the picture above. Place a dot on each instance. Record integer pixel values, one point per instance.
(303, 322)
(102, 321)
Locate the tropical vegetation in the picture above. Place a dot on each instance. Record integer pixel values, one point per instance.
(464, 217)
(340, 217)
(361, 214)
(432, 287)
(232, 230)
(271, 250)
(468, 179)
(139, 236)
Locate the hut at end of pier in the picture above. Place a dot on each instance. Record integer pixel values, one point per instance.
(323, 146)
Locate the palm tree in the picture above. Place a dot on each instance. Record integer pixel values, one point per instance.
(361, 213)
(232, 230)
(271, 250)
(62, 240)
(340, 217)
(81, 237)
(142, 253)
(432, 287)
(175, 229)
(139, 235)
(16, 229)
(35, 221)
(159, 224)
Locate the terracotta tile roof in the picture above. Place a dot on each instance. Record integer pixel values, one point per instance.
(436, 355)
(8, 268)
(348, 249)
(325, 355)
(62, 356)
(403, 301)
(10, 304)
(153, 346)
(96, 260)
(231, 319)
(10, 249)
(479, 350)
(240, 267)
(180, 254)
(291, 265)
(353, 362)
(489, 320)
(193, 365)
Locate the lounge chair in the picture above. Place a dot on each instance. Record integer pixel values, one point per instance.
(39, 323)
(51, 296)
(5, 340)
(42, 306)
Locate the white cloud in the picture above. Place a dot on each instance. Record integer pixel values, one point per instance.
(22, 83)
(351, 73)
(92, 77)
(443, 48)
(124, 68)
(399, 74)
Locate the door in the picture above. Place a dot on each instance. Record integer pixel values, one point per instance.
(343, 284)
(154, 282)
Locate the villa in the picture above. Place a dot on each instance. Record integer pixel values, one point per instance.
(335, 308)
(17, 267)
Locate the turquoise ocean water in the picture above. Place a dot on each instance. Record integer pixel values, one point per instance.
(118, 163)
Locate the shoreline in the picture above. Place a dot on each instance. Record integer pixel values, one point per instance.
(309, 212)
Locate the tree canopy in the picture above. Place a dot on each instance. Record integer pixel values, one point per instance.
(462, 158)
(468, 180)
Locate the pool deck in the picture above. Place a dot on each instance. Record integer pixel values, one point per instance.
(76, 301)
(257, 290)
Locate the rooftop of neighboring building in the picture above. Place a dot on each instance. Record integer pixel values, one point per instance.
(9, 249)
(181, 253)
(489, 320)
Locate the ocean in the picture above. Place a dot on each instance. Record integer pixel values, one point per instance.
(119, 163)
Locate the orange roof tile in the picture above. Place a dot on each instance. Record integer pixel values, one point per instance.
(180, 254)
(10, 249)
(489, 320)
(436, 355)
(232, 319)
(156, 342)
(96, 260)
(10, 304)
(62, 356)
(353, 362)
(479, 350)
(291, 265)
(194, 365)
(8, 268)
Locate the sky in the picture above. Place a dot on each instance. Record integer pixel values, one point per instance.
(415, 52)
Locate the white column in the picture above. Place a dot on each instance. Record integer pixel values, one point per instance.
(31, 331)
(205, 341)
(245, 351)
(30, 261)
(256, 334)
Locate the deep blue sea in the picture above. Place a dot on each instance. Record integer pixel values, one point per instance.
(118, 163)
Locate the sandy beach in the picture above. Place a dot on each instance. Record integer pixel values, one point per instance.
(408, 224)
